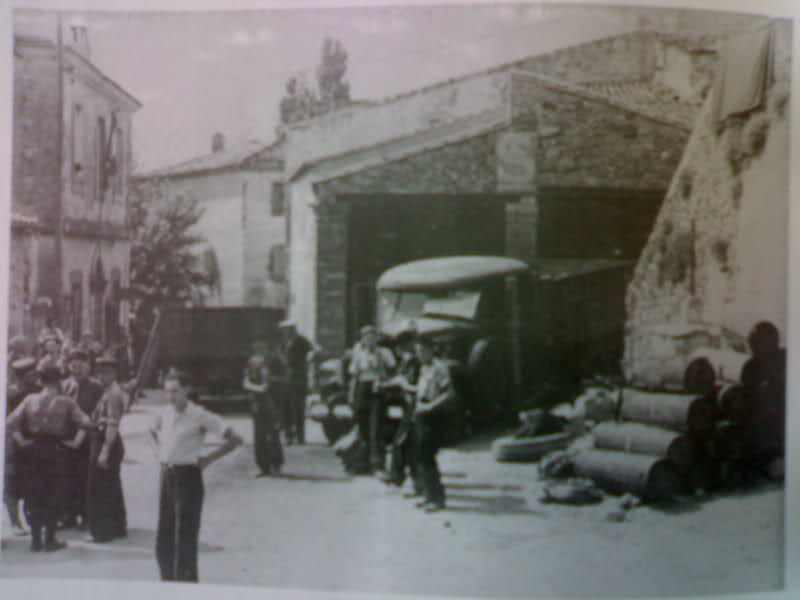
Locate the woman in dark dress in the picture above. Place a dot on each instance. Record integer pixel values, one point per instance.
(105, 503)
(266, 436)
(44, 428)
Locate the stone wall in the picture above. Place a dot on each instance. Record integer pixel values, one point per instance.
(585, 141)
(716, 262)
(35, 157)
(466, 167)
(21, 280)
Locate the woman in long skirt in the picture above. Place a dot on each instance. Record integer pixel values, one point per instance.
(105, 509)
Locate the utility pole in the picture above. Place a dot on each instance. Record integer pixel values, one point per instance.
(58, 217)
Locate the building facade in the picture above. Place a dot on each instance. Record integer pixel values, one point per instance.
(71, 164)
(565, 155)
(243, 224)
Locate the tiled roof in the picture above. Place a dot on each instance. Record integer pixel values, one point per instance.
(217, 161)
(648, 98)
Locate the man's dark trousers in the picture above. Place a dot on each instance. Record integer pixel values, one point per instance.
(180, 507)
(429, 429)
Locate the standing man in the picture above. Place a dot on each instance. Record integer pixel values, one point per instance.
(86, 391)
(403, 447)
(25, 383)
(296, 350)
(435, 397)
(179, 432)
(43, 426)
(369, 368)
(105, 503)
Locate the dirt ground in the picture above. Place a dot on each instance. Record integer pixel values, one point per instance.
(314, 527)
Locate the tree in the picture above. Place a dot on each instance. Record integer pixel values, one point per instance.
(165, 267)
(301, 101)
(333, 89)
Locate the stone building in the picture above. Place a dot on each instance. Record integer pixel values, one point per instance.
(564, 155)
(716, 262)
(243, 224)
(23, 263)
(71, 163)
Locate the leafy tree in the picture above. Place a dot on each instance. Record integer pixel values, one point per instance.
(165, 268)
(301, 101)
(333, 89)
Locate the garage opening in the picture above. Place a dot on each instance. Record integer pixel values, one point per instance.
(386, 230)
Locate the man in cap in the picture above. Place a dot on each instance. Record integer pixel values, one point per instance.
(296, 351)
(25, 382)
(105, 503)
(179, 433)
(44, 426)
(435, 396)
(86, 391)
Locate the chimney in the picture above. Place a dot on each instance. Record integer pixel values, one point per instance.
(218, 142)
(77, 37)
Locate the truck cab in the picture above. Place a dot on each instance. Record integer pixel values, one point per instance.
(473, 307)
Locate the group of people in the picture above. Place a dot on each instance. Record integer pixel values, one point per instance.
(63, 446)
(277, 378)
(413, 371)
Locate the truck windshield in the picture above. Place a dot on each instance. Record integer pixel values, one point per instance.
(397, 305)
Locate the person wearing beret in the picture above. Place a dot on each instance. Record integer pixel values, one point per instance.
(44, 426)
(86, 391)
(105, 503)
(25, 382)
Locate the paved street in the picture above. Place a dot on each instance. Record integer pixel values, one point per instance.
(314, 527)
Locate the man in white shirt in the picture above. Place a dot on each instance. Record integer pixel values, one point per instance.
(179, 432)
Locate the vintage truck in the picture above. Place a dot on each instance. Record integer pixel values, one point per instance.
(518, 336)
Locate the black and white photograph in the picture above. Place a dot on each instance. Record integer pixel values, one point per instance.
(480, 300)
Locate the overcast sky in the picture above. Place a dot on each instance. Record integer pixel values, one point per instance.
(199, 73)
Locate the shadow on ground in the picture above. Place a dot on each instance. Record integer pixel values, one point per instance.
(502, 504)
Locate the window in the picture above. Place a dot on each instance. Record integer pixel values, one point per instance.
(101, 182)
(278, 200)
(76, 303)
(278, 263)
(118, 160)
(78, 155)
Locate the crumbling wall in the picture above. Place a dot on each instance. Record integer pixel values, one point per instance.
(716, 261)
